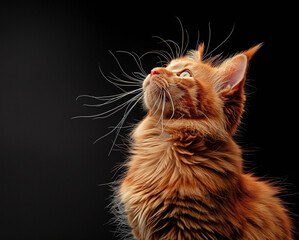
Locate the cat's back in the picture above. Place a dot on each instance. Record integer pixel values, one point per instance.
(264, 214)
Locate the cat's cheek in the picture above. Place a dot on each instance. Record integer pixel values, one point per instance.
(147, 100)
(146, 82)
(145, 104)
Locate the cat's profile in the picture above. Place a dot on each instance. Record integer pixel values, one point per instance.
(184, 178)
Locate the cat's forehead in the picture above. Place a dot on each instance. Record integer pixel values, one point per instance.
(180, 64)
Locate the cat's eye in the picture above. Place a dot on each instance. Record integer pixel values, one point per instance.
(185, 73)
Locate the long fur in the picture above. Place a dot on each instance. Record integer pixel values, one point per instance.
(185, 178)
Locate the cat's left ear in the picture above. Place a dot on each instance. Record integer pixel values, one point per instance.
(233, 71)
(200, 50)
(231, 80)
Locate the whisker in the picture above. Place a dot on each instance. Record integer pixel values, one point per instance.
(172, 104)
(119, 65)
(162, 113)
(109, 112)
(160, 100)
(177, 47)
(135, 80)
(117, 108)
(161, 53)
(197, 41)
(161, 62)
(231, 32)
(123, 83)
(102, 115)
(86, 96)
(141, 75)
(182, 36)
(157, 89)
(167, 54)
(139, 64)
(120, 123)
(127, 112)
(110, 80)
(187, 42)
(129, 126)
(168, 45)
(208, 46)
(113, 100)
(163, 105)
(109, 97)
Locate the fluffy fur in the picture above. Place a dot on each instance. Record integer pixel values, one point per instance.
(185, 178)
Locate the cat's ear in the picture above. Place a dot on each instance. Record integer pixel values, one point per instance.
(232, 72)
(231, 80)
(200, 50)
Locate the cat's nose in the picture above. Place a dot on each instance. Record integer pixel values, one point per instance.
(154, 71)
(162, 71)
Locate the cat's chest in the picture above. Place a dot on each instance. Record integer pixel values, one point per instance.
(163, 189)
(156, 172)
(159, 198)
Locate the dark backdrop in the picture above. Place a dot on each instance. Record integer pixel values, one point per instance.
(50, 170)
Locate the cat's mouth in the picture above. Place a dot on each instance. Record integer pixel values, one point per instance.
(160, 81)
(157, 85)
(156, 92)
(156, 81)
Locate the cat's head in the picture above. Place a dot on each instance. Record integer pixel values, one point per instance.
(190, 88)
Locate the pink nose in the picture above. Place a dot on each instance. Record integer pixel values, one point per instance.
(154, 71)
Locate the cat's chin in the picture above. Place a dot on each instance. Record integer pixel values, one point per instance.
(153, 94)
(148, 100)
(156, 106)
(145, 84)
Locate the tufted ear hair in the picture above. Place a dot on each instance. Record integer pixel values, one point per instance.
(200, 50)
(232, 76)
(233, 70)
(251, 51)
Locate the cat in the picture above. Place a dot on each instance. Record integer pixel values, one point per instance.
(184, 178)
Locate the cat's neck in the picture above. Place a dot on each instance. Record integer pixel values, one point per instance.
(184, 157)
(192, 142)
(181, 130)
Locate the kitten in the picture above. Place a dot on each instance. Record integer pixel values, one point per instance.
(185, 178)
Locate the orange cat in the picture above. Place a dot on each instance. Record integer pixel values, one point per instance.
(185, 178)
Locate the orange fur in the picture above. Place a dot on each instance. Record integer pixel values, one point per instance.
(185, 178)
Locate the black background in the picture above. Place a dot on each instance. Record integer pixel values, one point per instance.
(50, 170)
